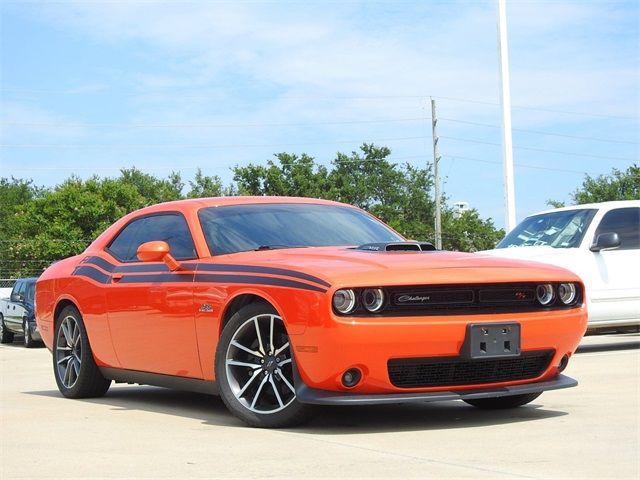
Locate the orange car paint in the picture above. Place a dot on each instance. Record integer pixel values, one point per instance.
(172, 327)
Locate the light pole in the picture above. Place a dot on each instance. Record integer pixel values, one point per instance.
(505, 103)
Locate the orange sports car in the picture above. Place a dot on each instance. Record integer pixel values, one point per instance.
(277, 304)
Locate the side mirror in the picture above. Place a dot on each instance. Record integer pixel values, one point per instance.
(157, 251)
(606, 241)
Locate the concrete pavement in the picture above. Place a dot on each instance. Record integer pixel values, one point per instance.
(588, 432)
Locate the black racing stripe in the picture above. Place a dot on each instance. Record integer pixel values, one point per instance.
(100, 262)
(208, 267)
(256, 280)
(159, 277)
(162, 268)
(147, 268)
(92, 273)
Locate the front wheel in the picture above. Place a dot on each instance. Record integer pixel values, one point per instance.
(5, 335)
(74, 368)
(501, 403)
(254, 369)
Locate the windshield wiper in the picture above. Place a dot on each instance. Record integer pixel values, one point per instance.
(276, 247)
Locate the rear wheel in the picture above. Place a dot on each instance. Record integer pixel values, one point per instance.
(74, 368)
(5, 335)
(499, 403)
(254, 369)
(28, 339)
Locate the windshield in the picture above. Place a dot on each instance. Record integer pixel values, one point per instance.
(564, 229)
(240, 228)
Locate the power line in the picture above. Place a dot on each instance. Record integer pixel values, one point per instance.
(544, 150)
(195, 167)
(208, 125)
(539, 109)
(539, 132)
(497, 162)
(198, 145)
(103, 91)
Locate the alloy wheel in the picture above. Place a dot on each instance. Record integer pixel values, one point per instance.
(259, 365)
(69, 352)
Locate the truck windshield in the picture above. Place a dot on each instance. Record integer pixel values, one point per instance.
(238, 228)
(563, 229)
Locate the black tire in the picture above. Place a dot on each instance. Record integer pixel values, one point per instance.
(502, 403)
(29, 342)
(74, 368)
(5, 335)
(260, 391)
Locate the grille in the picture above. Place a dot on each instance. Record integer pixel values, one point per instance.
(445, 371)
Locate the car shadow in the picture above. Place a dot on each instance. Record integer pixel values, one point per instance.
(326, 420)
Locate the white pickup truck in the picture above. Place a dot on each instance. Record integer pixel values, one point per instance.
(17, 313)
(600, 242)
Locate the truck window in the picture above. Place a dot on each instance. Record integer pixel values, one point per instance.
(626, 223)
(18, 289)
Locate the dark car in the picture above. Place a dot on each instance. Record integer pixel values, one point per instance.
(17, 314)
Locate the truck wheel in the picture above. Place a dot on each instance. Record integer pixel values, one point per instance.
(500, 403)
(74, 368)
(5, 335)
(28, 339)
(254, 369)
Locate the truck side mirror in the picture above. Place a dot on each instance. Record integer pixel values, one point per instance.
(606, 241)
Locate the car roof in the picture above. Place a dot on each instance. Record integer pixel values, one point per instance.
(594, 206)
(233, 200)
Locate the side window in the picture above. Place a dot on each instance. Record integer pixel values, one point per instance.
(626, 223)
(30, 291)
(17, 290)
(171, 228)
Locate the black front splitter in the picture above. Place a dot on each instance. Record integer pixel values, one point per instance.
(306, 394)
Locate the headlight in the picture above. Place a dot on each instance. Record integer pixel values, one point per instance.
(567, 292)
(544, 294)
(344, 301)
(373, 299)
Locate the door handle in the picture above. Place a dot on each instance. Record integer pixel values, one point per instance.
(116, 277)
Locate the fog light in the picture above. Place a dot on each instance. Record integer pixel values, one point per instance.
(567, 293)
(544, 294)
(563, 363)
(373, 299)
(351, 377)
(344, 301)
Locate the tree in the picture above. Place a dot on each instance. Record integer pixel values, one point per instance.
(400, 195)
(42, 225)
(469, 232)
(204, 186)
(618, 185)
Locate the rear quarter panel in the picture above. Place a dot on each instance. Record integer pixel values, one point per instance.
(56, 288)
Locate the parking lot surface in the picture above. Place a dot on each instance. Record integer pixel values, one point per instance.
(588, 432)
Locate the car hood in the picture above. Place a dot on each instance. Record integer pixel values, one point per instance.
(343, 266)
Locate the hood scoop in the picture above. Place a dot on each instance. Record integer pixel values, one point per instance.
(397, 247)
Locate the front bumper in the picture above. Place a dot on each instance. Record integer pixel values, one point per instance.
(324, 352)
(306, 394)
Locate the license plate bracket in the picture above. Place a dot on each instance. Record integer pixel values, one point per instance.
(491, 340)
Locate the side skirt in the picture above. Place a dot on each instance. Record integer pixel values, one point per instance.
(158, 380)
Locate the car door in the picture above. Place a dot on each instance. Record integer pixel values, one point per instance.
(150, 308)
(615, 289)
(15, 310)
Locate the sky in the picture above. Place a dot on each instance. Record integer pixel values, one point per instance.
(90, 87)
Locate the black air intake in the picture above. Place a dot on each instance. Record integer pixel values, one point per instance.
(398, 247)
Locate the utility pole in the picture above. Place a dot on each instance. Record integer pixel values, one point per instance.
(436, 173)
(505, 102)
